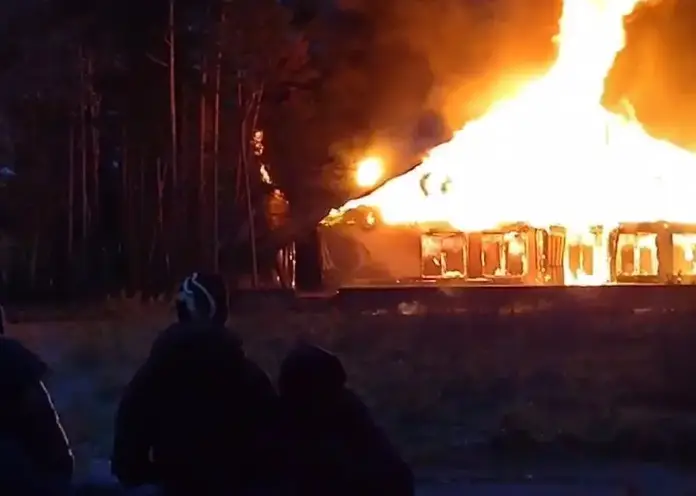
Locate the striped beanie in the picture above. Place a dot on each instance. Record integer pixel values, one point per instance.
(202, 296)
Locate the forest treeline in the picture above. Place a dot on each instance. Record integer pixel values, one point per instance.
(153, 138)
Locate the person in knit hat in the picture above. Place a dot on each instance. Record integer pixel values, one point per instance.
(198, 417)
(202, 298)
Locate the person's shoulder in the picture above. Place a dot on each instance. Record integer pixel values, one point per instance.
(186, 330)
(349, 399)
(175, 331)
(191, 336)
(18, 364)
(16, 356)
(256, 373)
(173, 335)
(353, 410)
(232, 337)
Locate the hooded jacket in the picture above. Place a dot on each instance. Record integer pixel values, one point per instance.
(198, 414)
(334, 445)
(28, 419)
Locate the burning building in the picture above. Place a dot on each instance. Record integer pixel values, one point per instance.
(547, 187)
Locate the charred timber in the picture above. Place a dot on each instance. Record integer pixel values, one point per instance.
(361, 251)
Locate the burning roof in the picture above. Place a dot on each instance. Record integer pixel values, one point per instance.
(550, 154)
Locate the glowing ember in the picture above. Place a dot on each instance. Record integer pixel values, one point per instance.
(552, 155)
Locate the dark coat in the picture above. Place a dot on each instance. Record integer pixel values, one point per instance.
(31, 434)
(334, 446)
(198, 415)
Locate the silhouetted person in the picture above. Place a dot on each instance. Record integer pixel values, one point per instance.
(334, 446)
(35, 457)
(197, 417)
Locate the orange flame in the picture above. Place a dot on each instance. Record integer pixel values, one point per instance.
(551, 154)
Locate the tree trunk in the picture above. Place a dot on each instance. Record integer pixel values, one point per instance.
(127, 238)
(252, 226)
(34, 261)
(203, 127)
(94, 108)
(248, 120)
(216, 154)
(172, 94)
(175, 210)
(159, 220)
(71, 191)
(256, 103)
(83, 144)
(143, 228)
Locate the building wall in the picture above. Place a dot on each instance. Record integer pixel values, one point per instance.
(355, 255)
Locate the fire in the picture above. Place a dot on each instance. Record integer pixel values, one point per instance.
(551, 154)
(369, 172)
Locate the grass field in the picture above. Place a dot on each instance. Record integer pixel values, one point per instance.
(453, 391)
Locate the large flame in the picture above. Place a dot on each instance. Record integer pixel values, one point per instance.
(551, 155)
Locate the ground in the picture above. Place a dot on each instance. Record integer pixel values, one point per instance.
(498, 403)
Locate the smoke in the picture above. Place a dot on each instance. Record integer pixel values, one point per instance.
(657, 69)
(473, 50)
(454, 58)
